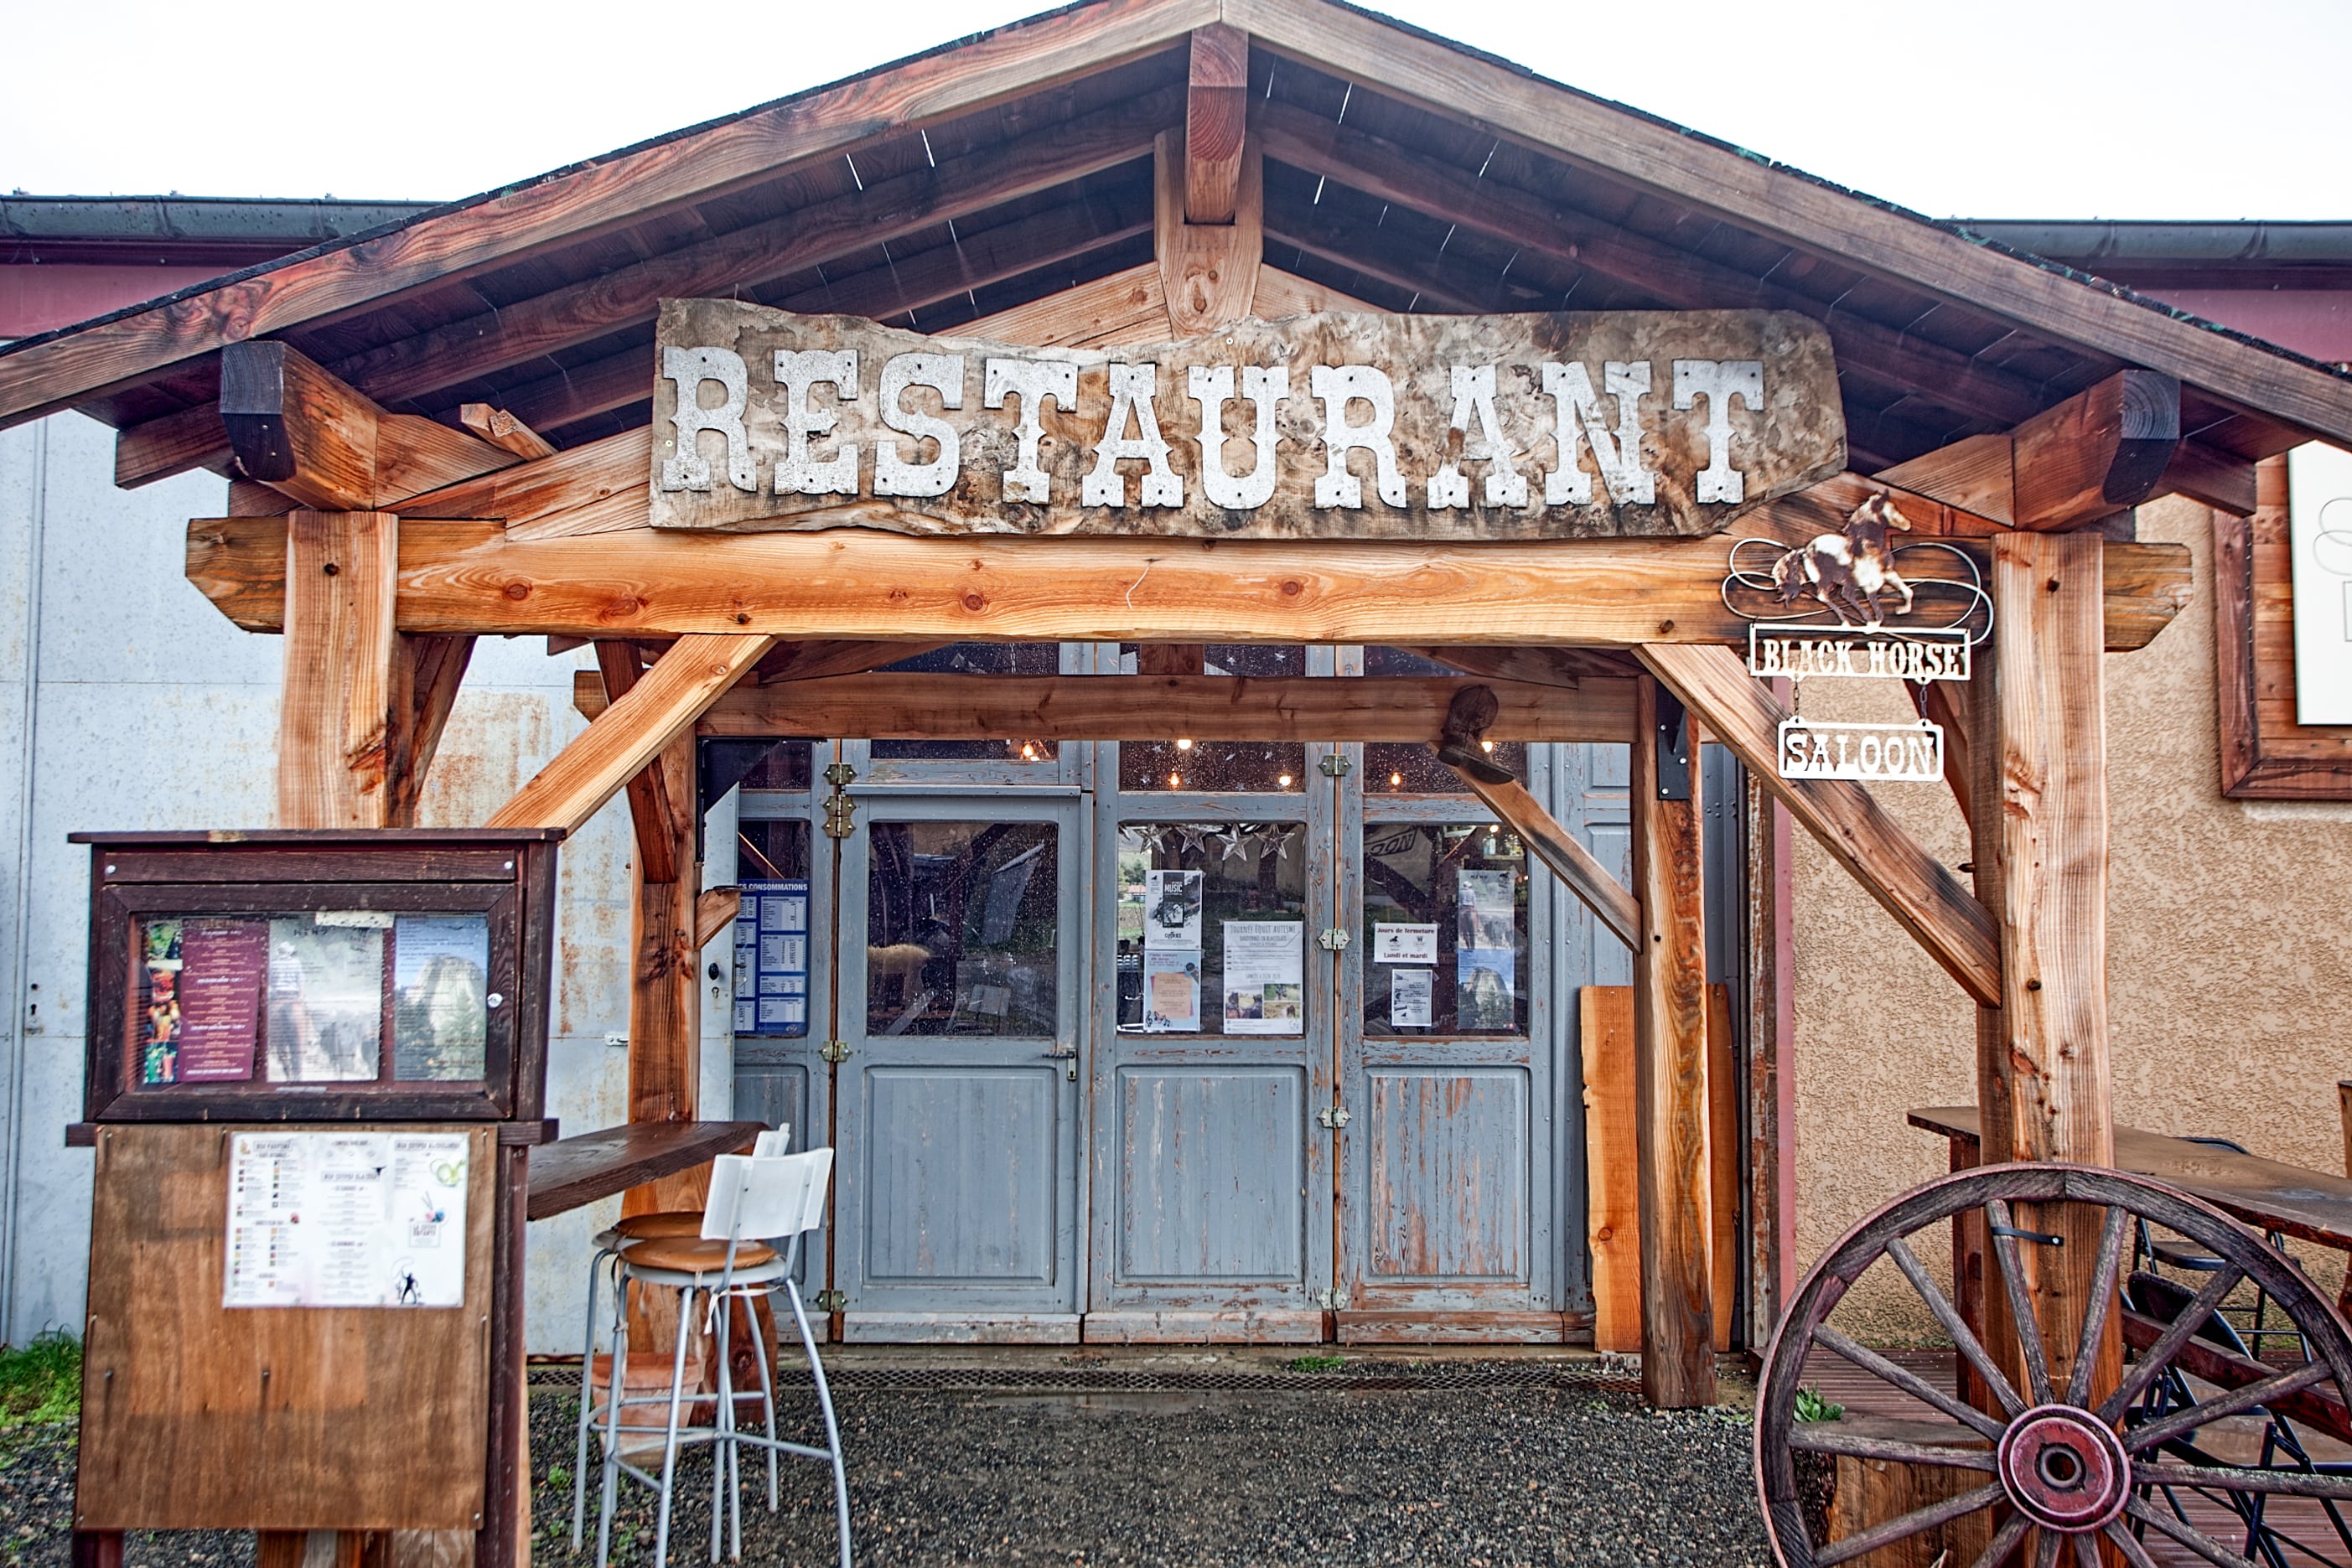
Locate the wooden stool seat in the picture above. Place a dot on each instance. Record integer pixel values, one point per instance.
(693, 1255)
(663, 1224)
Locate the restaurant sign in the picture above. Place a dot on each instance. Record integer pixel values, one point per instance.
(1323, 426)
(1865, 753)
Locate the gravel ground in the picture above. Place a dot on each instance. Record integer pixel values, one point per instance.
(1484, 1477)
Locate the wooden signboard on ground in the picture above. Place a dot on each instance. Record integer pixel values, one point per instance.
(1323, 426)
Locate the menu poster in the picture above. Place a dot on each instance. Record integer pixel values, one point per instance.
(1409, 991)
(1172, 911)
(222, 964)
(771, 959)
(1266, 966)
(1172, 992)
(346, 1219)
(440, 996)
(1484, 989)
(326, 998)
(1488, 909)
(159, 1001)
(1408, 944)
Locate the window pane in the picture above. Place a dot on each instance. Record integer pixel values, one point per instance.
(963, 925)
(1250, 766)
(1382, 660)
(1403, 767)
(1445, 930)
(785, 767)
(768, 848)
(1212, 927)
(976, 659)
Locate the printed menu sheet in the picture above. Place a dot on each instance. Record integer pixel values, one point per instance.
(346, 1219)
(771, 959)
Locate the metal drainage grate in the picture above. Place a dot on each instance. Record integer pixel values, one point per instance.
(1429, 1377)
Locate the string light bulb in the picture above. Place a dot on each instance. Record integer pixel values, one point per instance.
(1183, 745)
(1174, 782)
(1282, 780)
(1488, 745)
(1396, 781)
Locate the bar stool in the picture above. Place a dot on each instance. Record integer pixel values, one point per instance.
(605, 1249)
(781, 1199)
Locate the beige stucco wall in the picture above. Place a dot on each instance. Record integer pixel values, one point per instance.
(2229, 956)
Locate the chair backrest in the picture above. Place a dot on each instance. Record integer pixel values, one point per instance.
(766, 1197)
(770, 1144)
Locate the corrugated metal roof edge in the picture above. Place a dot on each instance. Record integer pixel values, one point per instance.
(238, 220)
(1962, 229)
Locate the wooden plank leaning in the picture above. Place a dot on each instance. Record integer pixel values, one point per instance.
(1925, 897)
(666, 701)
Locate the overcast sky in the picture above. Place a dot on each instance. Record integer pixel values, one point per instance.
(2028, 109)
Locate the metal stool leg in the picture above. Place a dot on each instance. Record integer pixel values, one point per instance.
(669, 1443)
(832, 1431)
(587, 1404)
(619, 1374)
(767, 1395)
(726, 1461)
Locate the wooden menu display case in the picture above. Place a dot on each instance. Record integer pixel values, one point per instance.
(316, 1066)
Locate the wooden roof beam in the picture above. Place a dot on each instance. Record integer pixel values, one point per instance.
(1216, 115)
(499, 428)
(857, 584)
(301, 431)
(1210, 199)
(458, 352)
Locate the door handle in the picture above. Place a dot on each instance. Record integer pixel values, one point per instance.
(1066, 1052)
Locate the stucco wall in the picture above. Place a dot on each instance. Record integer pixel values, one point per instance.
(2229, 956)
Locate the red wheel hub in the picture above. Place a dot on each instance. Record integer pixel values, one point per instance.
(2065, 1467)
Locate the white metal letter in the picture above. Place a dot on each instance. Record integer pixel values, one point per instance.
(1719, 382)
(1212, 388)
(797, 370)
(1578, 414)
(1132, 390)
(688, 468)
(1338, 386)
(1033, 381)
(893, 475)
(1474, 396)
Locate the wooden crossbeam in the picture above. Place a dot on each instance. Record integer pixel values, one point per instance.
(661, 707)
(300, 429)
(892, 706)
(715, 909)
(1924, 897)
(859, 584)
(653, 815)
(2101, 450)
(1561, 850)
(500, 428)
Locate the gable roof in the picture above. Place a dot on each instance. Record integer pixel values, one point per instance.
(1402, 168)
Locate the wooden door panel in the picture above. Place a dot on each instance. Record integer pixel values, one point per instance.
(1451, 1176)
(1212, 1174)
(961, 1175)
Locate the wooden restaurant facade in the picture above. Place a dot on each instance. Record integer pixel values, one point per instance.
(1105, 897)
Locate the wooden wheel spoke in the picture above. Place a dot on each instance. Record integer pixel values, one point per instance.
(2213, 1551)
(2128, 1545)
(2021, 1304)
(2086, 1551)
(2159, 1355)
(2227, 1403)
(1948, 1317)
(1919, 1388)
(1905, 1525)
(2239, 1477)
(2101, 1304)
(1810, 1439)
(2004, 1542)
(2046, 1550)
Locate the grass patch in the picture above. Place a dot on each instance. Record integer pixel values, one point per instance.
(1317, 1363)
(40, 1382)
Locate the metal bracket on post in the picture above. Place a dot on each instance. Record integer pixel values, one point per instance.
(1674, 748)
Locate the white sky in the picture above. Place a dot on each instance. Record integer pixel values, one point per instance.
(2027, 109)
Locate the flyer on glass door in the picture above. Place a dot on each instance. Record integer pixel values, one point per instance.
(1266, 965)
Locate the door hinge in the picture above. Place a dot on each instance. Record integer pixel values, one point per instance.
(839, 821)
(835, 1050)
(831, 1301)
(1334, 765)
(1334, 1116)
(840, 775)
(1333, 938)
(1332, 1300)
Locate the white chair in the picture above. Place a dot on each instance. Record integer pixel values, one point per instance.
(778, 1198)
(605, 1251)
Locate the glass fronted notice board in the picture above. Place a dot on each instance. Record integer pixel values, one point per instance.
(307, 975)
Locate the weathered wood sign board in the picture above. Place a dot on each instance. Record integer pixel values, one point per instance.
(1326, 426)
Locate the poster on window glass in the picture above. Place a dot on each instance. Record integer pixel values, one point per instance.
(1409, 991)
(219, 990)
(326, 996)
(1172, 911)
(1485, 980)
(1266, 965)
(1488, 917)
(1172, 992)
(771, 959)
(1404, 943)
(440, 997)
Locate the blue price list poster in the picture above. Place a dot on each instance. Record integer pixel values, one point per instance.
(771, 959)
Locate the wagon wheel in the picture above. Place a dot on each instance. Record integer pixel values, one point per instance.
(2056, 1465)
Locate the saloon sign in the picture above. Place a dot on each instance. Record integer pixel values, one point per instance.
(1330, 426)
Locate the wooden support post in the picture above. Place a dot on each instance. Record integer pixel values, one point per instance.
(1670, 1057)
(664, 1041)
(2045, 1089)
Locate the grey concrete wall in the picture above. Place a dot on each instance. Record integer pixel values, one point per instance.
(126, 701)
